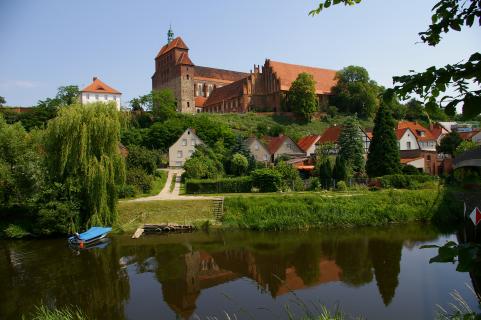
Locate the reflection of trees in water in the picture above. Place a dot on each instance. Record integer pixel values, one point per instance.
(48, 272)
(386, 257)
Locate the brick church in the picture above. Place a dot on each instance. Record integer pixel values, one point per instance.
(204, 89)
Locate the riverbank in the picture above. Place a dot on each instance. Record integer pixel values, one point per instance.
(307, 210)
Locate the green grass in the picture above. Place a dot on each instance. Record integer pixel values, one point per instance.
(247, 124)
(134, 214)
(65, 313)
(172, 183)
(311, 210)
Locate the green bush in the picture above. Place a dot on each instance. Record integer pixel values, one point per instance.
(56, 217)
(140, 157)
(15, 231)
(409, 170)
(341, 186)
(267, 180)
(400, 181)
(224, 185)
(140, 179)
(126, 191)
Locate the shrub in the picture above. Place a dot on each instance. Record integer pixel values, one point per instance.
(400, 181)
(57, 217)
(409, 170)
(290, 177)
(140, 179)
(15, 231)
(225, 185)
(126, 191)
(267, 180)
(341, 186)
(240, 164)
(140, 157)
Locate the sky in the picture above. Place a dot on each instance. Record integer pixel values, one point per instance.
(52, 43)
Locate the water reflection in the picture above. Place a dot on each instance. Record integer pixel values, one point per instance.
(185, 265)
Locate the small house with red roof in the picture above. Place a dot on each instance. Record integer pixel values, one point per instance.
(308, 144)
(424, 137)
(282, 146)
(258, 149)
(98, 91)
(331, 135)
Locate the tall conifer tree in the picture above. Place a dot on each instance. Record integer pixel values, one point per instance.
(383, 157)
(351, 148)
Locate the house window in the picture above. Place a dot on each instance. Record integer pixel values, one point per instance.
(191, 152)
(408, 145)
(265, 157)
(184, 142)
(178, 163)
(96, 97)
(257, 146)
(192, 143)
(179, 154)
(106, 97)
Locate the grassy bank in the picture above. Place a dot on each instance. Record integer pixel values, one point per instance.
(304, 211)
(134, 214)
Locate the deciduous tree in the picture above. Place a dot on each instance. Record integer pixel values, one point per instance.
(302, 96)
(449, 143)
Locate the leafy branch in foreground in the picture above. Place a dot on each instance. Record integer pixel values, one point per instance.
(468, 255)
(462, 77)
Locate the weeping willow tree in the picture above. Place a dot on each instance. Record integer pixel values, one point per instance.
(82, 146)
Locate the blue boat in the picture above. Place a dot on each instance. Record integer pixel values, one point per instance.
(90, 237)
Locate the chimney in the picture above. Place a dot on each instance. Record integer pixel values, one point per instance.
(95, 78)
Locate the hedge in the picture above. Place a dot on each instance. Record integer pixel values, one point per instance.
(223, 185)
(401, 181)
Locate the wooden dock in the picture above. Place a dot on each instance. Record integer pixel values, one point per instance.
(161, 228)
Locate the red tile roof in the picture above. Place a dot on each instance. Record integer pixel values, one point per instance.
(400, 133)
(98, 86)
(218, 74)
(200, 101)
(416, 129)
(306, 142)
(176, 43)
(468, 135)
(274, 143)
(227, 92)
(287, 73)
(184, 59)
(330, 135)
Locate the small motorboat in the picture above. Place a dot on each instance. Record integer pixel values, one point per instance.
(89, 238)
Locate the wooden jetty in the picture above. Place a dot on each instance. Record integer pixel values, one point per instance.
(161, 228)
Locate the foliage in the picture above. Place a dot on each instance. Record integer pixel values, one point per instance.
(302, 96)
(161, 135)
(14, 231)
(163, 104)
(449, 143)
(2, 101)
(204, 163)
(267, 180)
(323, 167)
(341, 186)
(126, 191)
(383, 156)
(340, 170)
(465, 146)
(291, 181)
(304, 211)
(240, 164)
(351, 148)
(138, 178)
(133, 136)
(57, 217)
(467, 255)
(404, 181)
(141, 157)
(81, 145)
(222, 185)
(355, 92)
(460, 77)
(409, 170)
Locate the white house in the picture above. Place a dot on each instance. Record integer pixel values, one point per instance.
(406, 139)
(426, 141)
(309, 144)
(283, 145)
(258, 149)
(183, 148)
(98, 91)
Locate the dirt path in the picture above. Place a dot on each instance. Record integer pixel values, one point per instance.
(165, 194)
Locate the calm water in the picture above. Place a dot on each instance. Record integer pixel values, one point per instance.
(379, 273)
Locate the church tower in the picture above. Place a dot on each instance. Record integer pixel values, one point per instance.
(174, 70)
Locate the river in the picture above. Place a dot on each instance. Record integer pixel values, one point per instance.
(376, 273)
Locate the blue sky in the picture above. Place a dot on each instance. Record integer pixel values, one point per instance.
(50, 43)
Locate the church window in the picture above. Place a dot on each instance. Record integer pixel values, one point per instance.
(188, 104)
(187, 77)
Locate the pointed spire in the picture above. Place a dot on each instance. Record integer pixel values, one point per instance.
(170, 34)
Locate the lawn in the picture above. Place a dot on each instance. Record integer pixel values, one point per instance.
(134, 214)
